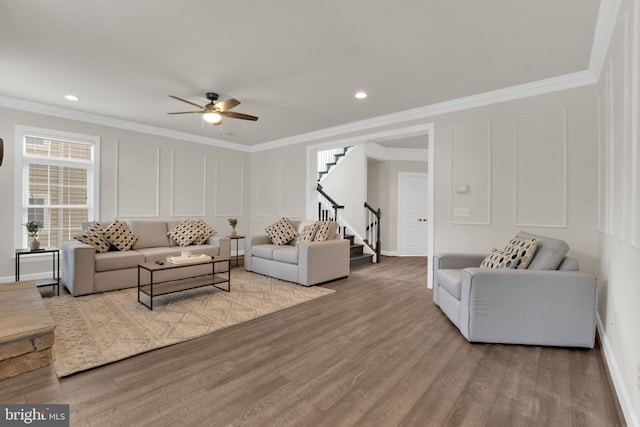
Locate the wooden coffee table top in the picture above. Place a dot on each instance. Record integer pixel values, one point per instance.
(22, 312)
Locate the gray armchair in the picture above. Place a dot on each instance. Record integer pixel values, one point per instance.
(540, 305)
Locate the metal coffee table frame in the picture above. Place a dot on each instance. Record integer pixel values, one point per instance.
(155, 289)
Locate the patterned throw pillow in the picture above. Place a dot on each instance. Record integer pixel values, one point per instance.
(97, 240)
(205, 231)
(119, 235)
(525, 248)
(500, 259)
(185, 233)
(281, 232)
(326, 230)
(308, 233)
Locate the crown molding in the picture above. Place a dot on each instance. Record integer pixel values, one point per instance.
(605, 26)
(49, 110)
(540, 87)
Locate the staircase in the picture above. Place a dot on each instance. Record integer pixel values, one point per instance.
(356, 254)
(328, 159)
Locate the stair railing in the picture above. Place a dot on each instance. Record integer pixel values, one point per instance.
(373, 229)
(326, 206)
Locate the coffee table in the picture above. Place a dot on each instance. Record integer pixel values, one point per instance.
(155, 288)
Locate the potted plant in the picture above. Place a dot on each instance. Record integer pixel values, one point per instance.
(33, 228)
(233, 222)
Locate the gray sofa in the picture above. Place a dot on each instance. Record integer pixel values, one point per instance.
(308, 263)
(86, 272)
(541, 305)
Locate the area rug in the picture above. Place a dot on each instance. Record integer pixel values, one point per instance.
(95, 330)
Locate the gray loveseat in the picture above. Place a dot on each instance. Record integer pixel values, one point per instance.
(549, 303)
(85, 272)
(307, 263)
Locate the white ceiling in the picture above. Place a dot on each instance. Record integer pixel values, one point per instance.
(295, 64)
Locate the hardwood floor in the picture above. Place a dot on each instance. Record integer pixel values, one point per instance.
(377, 352)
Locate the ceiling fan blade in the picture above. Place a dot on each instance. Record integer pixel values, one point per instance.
(234, 115)
(187, 112)
(188, 102)
(227, 104)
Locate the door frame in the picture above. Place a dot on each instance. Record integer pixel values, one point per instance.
(427, 129)
(398, 222)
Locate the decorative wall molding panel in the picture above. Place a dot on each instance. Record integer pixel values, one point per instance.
(290, 193)
(264, 188)
(229, 187)
(137, 180)
(188, 183)
(471, 166)
(541, 169)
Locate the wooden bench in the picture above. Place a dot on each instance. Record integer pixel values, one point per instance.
(26, 329)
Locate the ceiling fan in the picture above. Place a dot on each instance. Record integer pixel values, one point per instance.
(214, 111)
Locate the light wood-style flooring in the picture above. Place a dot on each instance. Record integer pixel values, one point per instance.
(378, 352)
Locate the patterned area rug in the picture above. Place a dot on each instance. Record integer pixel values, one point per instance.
(94, 330)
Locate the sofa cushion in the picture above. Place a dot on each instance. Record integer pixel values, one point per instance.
(450, 279)
(264, 251)
(205, 231)
(118, 260)
(151, 234)
(119, 235)
(185, 233)
(95, 239)
(288, 254)
(549, 254)
(281, 232)
(326, 231)
(500, 259)
(525, 248)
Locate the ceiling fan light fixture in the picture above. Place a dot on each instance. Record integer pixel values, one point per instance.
(211, 117)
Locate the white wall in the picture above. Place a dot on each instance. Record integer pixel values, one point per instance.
(532, 168)
(142, 176)
(619, 208)
(382, 193)
(347, 185)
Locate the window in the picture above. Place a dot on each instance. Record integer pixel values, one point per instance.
(57, 181)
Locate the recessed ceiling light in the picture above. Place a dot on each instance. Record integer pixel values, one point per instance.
(71, 98)
(361, 95)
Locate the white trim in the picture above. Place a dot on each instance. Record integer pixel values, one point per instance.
(117, 180)
(203, 197)
(49, 110)
(219, 180)
(20, 132)
(553, 84)
(565, 172)
(605, 26)
(625, 400)
(635, 127)
(387, 135)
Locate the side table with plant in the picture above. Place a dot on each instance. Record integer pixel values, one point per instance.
(233, 222)
(33, 228)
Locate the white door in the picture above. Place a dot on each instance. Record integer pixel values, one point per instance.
(412, 214)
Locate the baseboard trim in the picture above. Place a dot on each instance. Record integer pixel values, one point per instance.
(624, 399)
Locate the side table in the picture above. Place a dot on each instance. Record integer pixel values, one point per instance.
(55, 268)
(236, 238)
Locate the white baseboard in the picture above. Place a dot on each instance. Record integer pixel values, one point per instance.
(25, 277)
(628, 411)
(389, 253)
